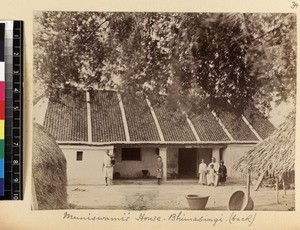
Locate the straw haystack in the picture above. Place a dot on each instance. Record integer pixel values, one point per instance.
(275, 154)
(48, 172)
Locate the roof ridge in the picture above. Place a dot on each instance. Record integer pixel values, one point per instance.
(251, 127)
(223, 126)
(89, 116)
(156, 122)
(125, 124)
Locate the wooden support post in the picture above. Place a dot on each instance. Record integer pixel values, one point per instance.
(259, 181)
(163, 154)
(248, 182)
(216, 154)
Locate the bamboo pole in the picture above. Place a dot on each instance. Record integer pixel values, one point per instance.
(259, 181)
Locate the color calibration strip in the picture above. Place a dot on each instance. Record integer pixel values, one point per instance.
(2, 108)
(17, 112)
(13, 53)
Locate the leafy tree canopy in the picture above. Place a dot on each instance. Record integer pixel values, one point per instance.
(228, 61)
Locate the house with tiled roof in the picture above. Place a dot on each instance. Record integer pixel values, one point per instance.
(85, 127)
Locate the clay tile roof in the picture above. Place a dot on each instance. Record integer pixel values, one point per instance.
(140, 120)
(207, 127)
(173, 124)
(66, 120)
(238, 129)
(107, 124)
(261, 124)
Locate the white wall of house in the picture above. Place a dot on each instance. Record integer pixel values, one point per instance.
(133, 169)
(87, 171)
(231, 154)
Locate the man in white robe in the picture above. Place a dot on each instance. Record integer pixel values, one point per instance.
(108, 168)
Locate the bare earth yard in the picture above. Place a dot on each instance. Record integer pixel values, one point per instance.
(170, 196)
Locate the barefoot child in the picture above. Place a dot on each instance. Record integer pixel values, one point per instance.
(211, 175)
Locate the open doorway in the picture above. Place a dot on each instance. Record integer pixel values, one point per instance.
(187, 163)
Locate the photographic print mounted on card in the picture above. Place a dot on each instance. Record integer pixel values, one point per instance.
(164, 111)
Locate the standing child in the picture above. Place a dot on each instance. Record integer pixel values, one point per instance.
(159, 173)
(211, 175)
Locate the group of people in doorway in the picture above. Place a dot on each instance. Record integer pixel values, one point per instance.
(213, 174)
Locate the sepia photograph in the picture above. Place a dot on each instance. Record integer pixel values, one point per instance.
(164, 111)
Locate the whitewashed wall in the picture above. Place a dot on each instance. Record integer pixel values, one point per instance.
(89, 170)
(231, 154)
(133, 169)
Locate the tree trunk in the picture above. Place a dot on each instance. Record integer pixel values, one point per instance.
(283, 183)
(277, 195)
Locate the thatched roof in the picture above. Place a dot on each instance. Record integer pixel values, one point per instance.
(276, 154)
(48, 171)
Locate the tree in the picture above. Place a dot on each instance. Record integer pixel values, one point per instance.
(216, 58)
(70, 49)
(225, 60)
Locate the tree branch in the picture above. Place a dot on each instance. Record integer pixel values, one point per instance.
(97, 28)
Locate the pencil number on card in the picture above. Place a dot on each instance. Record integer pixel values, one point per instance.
(294, 5)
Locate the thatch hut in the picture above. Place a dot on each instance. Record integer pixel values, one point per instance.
(275, 154)
(49, 177)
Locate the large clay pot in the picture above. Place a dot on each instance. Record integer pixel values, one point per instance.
(240, 201)
(197, 202)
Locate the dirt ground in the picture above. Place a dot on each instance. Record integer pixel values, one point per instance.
(170, 196)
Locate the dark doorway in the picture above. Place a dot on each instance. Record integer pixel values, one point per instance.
(187, 163)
